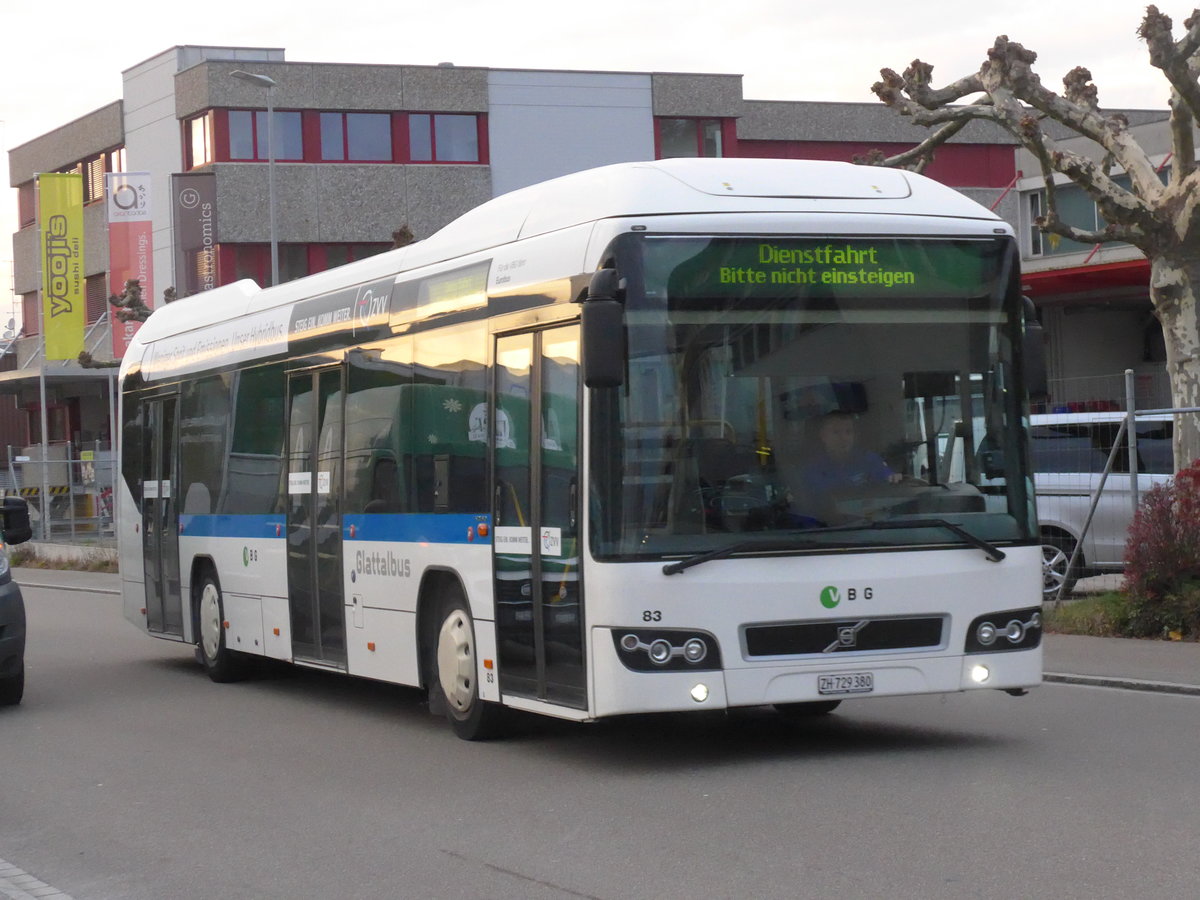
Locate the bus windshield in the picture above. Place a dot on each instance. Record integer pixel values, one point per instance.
(794, 393)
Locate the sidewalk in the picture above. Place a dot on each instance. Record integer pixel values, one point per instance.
(1163, 666)
(68, 580)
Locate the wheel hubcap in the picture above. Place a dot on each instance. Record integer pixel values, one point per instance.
(456, 661)
(210, 621)
(1054, 568)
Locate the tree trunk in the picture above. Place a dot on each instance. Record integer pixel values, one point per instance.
(1174, 282)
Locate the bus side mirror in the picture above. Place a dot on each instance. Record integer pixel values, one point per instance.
(603, 327)
(16, 520)
(1033, 345)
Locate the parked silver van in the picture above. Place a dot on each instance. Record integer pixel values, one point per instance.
(1069, 452)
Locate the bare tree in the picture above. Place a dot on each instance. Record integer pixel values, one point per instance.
(1160, 219)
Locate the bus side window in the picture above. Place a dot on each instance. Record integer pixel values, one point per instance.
(254, 470)
(378, 428)
(385, 488)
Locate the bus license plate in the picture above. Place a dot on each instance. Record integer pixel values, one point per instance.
(850, 683)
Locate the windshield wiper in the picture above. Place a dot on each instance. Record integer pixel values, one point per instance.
(994, 553)
(738, 547)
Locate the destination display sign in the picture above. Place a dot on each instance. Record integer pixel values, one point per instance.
(353, 314)
(859, 267)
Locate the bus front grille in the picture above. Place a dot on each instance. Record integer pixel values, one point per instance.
(830, 637)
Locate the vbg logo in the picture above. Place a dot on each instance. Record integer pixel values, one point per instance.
(831, 595)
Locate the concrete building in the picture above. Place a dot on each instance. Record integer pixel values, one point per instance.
(367, 153)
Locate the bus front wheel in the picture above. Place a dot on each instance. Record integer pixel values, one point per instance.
(221, 663)
(455, 670)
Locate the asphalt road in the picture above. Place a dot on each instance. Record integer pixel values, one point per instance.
(126, 773)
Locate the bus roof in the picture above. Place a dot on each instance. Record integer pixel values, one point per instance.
(654, 188)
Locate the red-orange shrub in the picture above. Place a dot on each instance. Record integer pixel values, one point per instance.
(1162, 558)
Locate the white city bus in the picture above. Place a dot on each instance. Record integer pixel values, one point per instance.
(559, 456)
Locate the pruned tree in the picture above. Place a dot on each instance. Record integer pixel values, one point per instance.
(1160, 218)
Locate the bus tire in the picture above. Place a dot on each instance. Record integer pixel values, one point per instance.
(222, 664)
(454, 683)
(12, 688)
(809, 710)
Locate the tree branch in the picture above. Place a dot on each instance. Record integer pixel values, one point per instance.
(952, 121)
(1171, 57)
(922, 153)
(1109, 234)
(1009, 66)
(1183, 140)
(1014, 97)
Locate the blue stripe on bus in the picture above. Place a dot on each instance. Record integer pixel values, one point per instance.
(233, 526)
(431, 528)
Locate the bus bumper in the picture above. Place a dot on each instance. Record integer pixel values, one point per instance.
(619, 690)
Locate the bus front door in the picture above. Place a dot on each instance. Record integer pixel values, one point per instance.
(538, 589)
(314, 523)
(160, 517)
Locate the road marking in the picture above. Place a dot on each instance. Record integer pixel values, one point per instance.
(17, 884)
(518, 875)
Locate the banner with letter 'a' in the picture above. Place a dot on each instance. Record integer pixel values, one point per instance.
(130, 254)
(60, 217)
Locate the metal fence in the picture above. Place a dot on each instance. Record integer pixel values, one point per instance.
(1106, 393)
(69, 489)
(1093, 461)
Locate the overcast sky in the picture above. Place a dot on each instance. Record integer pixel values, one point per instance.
(60, 60)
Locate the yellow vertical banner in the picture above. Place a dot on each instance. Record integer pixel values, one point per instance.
(60, 215)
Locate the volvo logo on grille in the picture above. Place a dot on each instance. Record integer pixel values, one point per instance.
(847, 637)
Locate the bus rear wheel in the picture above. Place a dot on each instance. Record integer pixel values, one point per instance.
(455, 669)
(808, 710)
(222, 664)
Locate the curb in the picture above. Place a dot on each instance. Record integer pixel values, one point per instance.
(65, 587)
(1127, 684)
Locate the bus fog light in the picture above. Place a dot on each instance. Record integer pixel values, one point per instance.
(695, 650)
(629, 643)
(660, 652)
(986, 634)
(980, 674)
(1015, 631)
(700, 693)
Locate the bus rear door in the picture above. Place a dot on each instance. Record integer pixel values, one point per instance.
(314, 523)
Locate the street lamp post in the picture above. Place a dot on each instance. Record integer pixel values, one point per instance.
(269, 84)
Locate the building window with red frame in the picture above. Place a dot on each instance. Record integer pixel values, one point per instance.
(356, 137)
(198, 145)
(443, 137)
(248, 135)
(689, 137)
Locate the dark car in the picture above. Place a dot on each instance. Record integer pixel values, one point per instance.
(16, 530)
